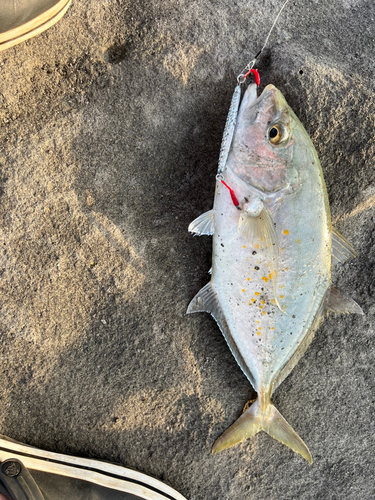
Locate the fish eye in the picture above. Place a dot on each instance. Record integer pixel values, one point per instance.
(277, 134)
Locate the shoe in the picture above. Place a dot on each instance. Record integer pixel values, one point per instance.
(23, 19)
(27, 473)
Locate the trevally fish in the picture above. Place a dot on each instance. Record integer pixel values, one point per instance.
(273, 249)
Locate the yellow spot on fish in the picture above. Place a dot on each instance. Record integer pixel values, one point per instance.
(264, 312)
(260, 307)
(250, 304)
(252, 300)
(286, 231)
(257, 246)
(243, 246)
(270, 276)
(264, 278)
(248, 279)
(273, 301)
(298, 241)
(281, 249)
(281, 286)
(243, 290)
(256, 293)
(262, 302)
(257, 321)
(281, 296)
(272, 328)
(258, 333)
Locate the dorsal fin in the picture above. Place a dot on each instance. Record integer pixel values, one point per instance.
(334, 300)
(206, 301)
(342, 250)
(340, 302)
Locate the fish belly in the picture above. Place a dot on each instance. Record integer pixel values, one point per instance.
(268, 313)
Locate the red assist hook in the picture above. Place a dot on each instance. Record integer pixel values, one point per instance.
(232, 195)
(256, 75)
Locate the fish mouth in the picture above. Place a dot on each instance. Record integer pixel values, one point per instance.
(269, 92)
(269, 102)
(256, 161)
(263, 112)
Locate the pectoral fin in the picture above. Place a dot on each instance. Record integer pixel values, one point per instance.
(260, 231)
(204, 224)
(257, 227)
(342, 250)
(339, 302)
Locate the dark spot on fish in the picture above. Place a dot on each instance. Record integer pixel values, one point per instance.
(293, 316)
(221, 244)
(254, 252)
(301, 72)
(256, 268)
(246, 199)
(291, 333)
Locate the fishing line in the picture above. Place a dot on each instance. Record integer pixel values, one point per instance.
(233, 110)
(249, 67)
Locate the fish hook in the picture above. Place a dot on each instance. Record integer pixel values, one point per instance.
(242, 77)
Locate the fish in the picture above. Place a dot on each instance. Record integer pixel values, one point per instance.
(273, 252)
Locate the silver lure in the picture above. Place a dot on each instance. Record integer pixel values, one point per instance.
(272, 254)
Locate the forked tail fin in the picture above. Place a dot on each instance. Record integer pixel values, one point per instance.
(270, 421)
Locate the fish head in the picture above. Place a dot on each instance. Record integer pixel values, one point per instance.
(266, 140)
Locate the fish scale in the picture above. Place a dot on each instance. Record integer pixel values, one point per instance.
(271, 266)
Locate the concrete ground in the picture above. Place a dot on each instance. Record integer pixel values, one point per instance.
(111, 124)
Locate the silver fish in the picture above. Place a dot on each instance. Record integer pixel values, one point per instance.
(273, 249)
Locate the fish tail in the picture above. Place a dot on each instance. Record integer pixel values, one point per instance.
(256, 419)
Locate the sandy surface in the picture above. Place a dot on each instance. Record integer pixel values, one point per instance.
(111, 124)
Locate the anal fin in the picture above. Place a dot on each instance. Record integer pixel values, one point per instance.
(206, 301)
(204, 224)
